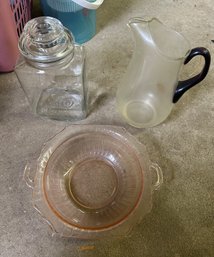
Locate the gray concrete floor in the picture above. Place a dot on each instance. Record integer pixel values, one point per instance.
(181, 222)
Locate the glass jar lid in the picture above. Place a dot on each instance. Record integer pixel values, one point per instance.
(44, 39)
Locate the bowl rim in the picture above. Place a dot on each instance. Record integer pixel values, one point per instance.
(58, 226)
(125, 135)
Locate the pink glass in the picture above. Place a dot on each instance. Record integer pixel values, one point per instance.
(93, 182)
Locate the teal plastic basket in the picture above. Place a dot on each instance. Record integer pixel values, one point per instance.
(79, 16)
(65, 5)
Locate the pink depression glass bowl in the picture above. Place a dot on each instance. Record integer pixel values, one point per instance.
(93, 181)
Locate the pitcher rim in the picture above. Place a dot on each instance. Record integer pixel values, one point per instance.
(150, 19)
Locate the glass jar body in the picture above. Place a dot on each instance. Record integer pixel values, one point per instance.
(56, 90)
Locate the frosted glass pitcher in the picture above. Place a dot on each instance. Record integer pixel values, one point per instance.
(150, 87)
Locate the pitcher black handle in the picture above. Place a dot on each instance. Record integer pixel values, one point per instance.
(185, 85)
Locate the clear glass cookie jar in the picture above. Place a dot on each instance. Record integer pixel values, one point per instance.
(51, 70)
(93, 182)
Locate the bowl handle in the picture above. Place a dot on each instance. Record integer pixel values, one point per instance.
(29, 173)
(159, 174)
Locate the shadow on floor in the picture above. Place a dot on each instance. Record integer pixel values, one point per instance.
(155, 237)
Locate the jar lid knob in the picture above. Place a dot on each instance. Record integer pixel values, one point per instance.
(44, 39)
